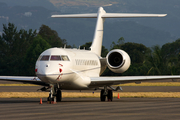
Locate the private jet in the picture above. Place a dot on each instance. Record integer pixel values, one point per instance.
(78, 69)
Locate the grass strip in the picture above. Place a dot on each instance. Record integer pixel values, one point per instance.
(86, 95)
(18, 85)
(128, 84)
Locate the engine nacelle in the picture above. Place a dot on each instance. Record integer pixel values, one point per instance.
(118, 61)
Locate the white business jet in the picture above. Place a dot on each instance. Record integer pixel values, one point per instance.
(76, 69)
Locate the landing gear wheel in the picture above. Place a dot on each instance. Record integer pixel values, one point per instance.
(58, 96)
(110, 95)
(49, 99)
(103, 97)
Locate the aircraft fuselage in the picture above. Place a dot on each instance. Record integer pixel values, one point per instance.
(70, 68)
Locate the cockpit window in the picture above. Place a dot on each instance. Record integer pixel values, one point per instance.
(45, 58)
(64, 57)
(39, 58)
(55, 57)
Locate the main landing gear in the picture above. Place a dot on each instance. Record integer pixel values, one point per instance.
(106, 93)
(54, 95)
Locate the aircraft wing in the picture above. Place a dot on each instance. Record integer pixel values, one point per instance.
(30, 80)
(101, 81)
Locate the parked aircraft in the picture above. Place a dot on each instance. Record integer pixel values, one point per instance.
(77, 69)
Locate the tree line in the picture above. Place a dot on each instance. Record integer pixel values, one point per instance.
(19, 50)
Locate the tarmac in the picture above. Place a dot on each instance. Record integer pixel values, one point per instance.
(125, 89)
(90, 108)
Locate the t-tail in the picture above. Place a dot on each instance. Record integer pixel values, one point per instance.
(101, 15)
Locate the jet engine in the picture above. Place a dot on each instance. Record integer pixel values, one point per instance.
(118, 61)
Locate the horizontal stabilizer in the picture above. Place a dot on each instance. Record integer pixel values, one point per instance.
(89, 15)
(108, 15)
(128, 15)
(101, 15)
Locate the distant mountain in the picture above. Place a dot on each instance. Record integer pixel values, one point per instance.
(31, 14)
(43, 3)
(171, 23)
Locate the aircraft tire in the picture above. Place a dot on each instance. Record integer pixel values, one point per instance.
(110, 95)
(58, 96)
(103, 97)
(49, 100)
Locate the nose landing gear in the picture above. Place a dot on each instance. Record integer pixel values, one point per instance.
(54, 95)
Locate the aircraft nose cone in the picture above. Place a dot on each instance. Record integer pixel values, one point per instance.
(48, 73)
(45, 69)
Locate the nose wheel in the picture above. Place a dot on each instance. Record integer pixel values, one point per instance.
(55, 95)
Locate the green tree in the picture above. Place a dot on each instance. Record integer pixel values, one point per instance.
(165, 60)
(137, 53)
(13, 47)
(117, 45)
(37, 47)
(51, 36)
(156, 61)
(87, 46)
(171, 49)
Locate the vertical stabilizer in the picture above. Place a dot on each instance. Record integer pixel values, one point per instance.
(101, 15)
(98, 34)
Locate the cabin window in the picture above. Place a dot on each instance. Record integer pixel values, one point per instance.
(55, 57)
(45, 58)
(86, 62)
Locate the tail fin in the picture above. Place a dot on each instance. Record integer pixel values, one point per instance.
(98, 33)
(101, 15)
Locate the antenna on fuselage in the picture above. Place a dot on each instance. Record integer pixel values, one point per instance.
(101, 15)
(64, 46)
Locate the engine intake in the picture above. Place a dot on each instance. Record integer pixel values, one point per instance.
(118, 61)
